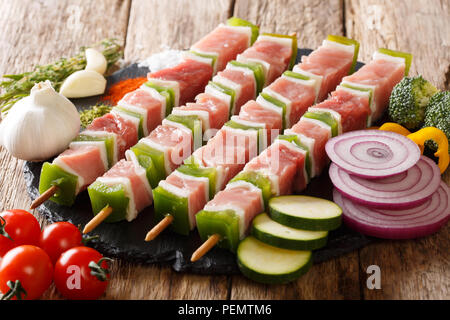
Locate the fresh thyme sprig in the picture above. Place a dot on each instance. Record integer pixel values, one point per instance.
(17, 86)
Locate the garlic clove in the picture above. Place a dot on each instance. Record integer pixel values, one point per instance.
(95, 61)
(83, 83)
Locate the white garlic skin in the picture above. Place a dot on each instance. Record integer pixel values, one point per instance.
(41, 125)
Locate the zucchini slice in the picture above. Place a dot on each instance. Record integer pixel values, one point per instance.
(281, 236)
(263, 263)
(306, 213)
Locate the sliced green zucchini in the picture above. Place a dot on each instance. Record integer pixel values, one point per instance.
(281, 236)
(267, 264)
(306, 213)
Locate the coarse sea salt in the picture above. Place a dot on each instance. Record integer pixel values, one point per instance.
(165, 59)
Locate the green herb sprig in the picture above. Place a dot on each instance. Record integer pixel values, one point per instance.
(87, 116)
(18, 86)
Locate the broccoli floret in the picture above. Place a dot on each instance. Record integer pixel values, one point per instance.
(438, 115)
(409, 100)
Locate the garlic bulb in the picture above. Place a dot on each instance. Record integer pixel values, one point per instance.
(95, 61)
(41, 125)
(83, 83)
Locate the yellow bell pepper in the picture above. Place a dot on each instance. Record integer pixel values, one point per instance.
(395, 127)
(419, 137)
(438, 136)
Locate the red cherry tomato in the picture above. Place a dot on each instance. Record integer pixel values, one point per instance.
(18, 227)
(59, 237)
(81, 273)
(27, 270)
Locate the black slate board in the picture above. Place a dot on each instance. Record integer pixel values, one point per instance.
(125, 240)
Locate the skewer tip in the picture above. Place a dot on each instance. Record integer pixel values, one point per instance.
(205, 247)
(160, 227)
(97, 219)
(43, 197)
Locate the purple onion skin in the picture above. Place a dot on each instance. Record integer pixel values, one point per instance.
(394, 233)
(381, 205)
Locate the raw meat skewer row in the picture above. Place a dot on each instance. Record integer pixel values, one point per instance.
(272, 173)
(105, 141)
(160, 153)
(281, 104)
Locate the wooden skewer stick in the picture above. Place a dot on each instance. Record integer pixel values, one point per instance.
(160, 227)
(95, 221)
(205, 247)
(43, 197)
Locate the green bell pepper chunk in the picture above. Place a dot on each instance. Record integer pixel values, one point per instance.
(192, 122)
(109, 144)
(326, 118)
(257, 71)
(133, 114)
(168, 93)
(152, 161)
(227, 91)
(213, 57)
(296, 75)
(167, 203)
(197, 171)
(52, 175)
(277, 103)
(294, 139)
(259, 181)
(347, 41)
(238, 22)
(399, 54)
(370, 90)
(260, 131)
(191, 161)
(225, 223)
(114, 196)
(294, 46)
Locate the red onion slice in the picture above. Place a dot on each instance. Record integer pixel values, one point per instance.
(373, 153)
(411, 223)
(406, 190)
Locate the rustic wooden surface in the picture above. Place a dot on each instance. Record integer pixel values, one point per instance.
(40, 31)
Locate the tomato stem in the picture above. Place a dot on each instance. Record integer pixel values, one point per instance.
(2, 228)
(16, 290)
(88, 239)
(98, 271)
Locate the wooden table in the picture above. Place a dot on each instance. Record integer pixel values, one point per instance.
(40, 31)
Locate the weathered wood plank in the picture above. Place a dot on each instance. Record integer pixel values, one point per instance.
(409, 269)
(197, 287)
(155, 25)
(38, 32)
(417, 26)
(335, 279)
(313, 20)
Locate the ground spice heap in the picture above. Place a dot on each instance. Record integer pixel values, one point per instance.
(119, 89)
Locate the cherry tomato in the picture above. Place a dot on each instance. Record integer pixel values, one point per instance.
(81, 273)
(18, 227)
(28, 270)
(59, 237)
